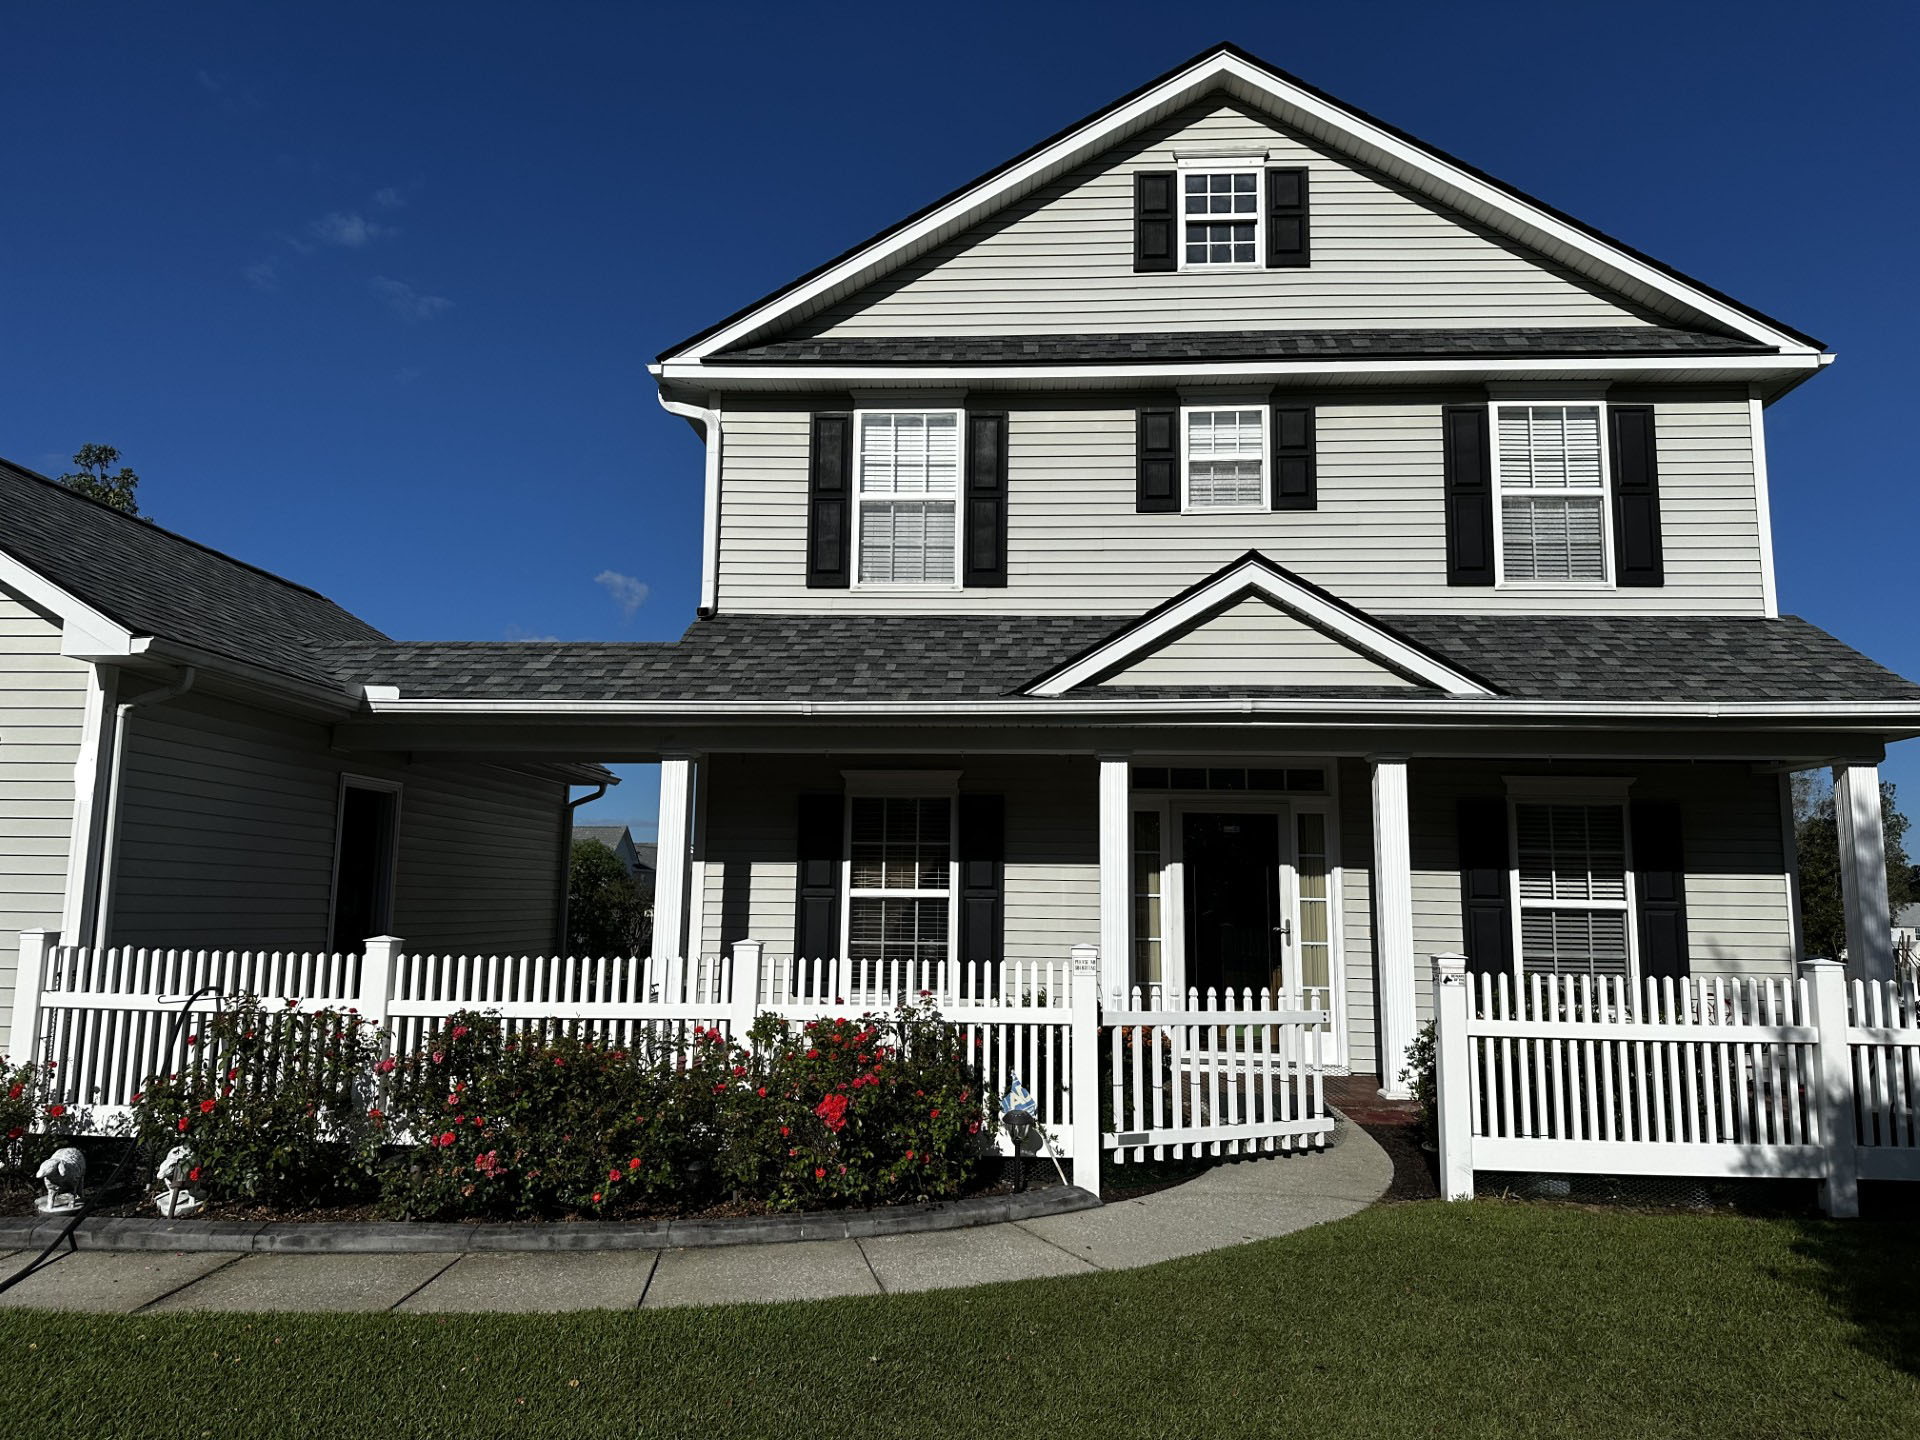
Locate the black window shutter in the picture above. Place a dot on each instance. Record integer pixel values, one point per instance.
(1486, 922)
(1660, 868)
(1636, 496)
(1156, 193)
(830, 503)
(1294, 483)
(983, 839)
(1469, 481)
(819, 845)
(986, 499)
(1287, 237)
(1156, 459)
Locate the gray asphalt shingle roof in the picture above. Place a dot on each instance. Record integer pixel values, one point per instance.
(840, 657)
(154, 582)
(1542, 342)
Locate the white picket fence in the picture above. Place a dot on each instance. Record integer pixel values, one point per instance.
(1231, 1073)
(1228, 1075)
(1804, 1077)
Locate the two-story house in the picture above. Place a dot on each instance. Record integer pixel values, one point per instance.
(1236, 533)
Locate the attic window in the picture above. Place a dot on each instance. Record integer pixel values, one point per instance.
(1220, 216)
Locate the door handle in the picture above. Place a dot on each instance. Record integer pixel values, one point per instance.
(1285, 931)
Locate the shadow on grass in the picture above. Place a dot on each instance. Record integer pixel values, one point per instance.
(1868, 1270)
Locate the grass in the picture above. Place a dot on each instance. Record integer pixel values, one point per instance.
(1411, 1320)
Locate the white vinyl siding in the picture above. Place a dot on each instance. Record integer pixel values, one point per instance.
(1253, 642)
(1060, 261)
(1570, 880)
(1226, 451)
(1376, 538)
(1550, 474)
(42, 709)
(907, 494)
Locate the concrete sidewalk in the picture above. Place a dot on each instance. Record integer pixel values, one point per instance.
(1230, 1205)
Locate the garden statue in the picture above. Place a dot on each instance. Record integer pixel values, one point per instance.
(174, 1172)
(65, 1174)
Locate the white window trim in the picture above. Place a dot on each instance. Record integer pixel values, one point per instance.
(348, 782)
(1532, 790)
(858, 497)
(1221, 165)
(901, 785)
(1501, 582)
(1187, 507)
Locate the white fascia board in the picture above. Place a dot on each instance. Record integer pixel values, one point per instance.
(1878, 714)
(85, 633)
(1457, 186)
(1189, 371)
(1252, 577)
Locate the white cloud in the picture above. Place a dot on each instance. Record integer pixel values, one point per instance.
(627, 592)
(349, 230)
(388, 197)
(408, 303)
(264, 274)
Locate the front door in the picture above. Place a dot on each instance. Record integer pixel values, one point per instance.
(1235, 930)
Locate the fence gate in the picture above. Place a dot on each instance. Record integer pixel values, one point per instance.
(1194, 1074)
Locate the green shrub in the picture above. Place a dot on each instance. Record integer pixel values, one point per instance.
(1420, 1081)
(277, 1105)
(34, 1121)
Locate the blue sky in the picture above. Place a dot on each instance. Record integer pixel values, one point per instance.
(366, 294)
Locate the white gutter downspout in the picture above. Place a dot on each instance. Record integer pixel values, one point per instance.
(709, 422)
(566, 864)
(110, 848)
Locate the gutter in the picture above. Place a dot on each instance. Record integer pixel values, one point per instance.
(566, 865)
(110, 847)
(708, 423)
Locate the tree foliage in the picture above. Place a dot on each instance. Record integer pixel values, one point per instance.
(1817, 839)
(97, 480)
(607, 911)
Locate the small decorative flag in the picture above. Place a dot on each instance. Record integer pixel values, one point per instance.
(1019, 1100)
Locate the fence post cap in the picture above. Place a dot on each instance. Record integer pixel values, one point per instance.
(1817, 964)
(1086, 959)
(1449, 966)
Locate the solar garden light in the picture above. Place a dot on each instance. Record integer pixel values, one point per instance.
(1020, 1113)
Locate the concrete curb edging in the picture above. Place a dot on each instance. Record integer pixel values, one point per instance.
(399, 1237)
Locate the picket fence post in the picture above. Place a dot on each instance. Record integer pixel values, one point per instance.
(1827, 1014)
(1084, 1096)
(29, 979)
(1452, 1104)
(743, 1000)
(379, 962)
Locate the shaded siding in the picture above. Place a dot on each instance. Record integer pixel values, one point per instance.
(1377, 539)
(227, 837)
(42, 708)
(1052, 867)
(1061, 259)
(1255, 643)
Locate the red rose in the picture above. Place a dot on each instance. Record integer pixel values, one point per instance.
(376, 1114)
(596, 1197)
(15, 1133)
(15, 1092)
(613, 1175)
(934, 1114)
(446, 1139)
(194, 1173)
(458, 1031)
(56, 1111)
(183, 1125)
(784, 1132)
(438, 1056)
(193, 1039)
(833, 1111)
(738, 1071)
(207, 1106)
(761, 1092)
(634, 1163)
(819, 1172)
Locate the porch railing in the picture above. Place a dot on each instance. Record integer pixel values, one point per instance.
(1230, 1074)
(1807, 1076)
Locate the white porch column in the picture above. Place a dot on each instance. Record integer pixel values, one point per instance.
(677, 774)
(1392, 919)
(1863, 871)
(1116, 872)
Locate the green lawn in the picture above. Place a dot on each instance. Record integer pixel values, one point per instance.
(1482, 1319)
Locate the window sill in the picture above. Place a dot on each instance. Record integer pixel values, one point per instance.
(1250, 269)
(1547, 587)
(903, 588)
(1227, 510)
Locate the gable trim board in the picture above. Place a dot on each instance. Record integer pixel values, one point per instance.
(1254, 574)
(1432, 172)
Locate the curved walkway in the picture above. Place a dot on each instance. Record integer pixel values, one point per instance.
(1229, 1205)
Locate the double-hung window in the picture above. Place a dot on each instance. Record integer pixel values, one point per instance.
(906, 497)
(1550, 473)
(900, 878)
(1220, 219)
(1225, 459)
(1571, 884)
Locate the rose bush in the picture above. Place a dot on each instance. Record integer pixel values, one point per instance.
(277, 1104)
(34, 1120)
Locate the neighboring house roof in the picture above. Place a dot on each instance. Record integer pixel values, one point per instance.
(1548, 342)
(1907, 917)
(153, 582)
(883, 658)
(1328, 121)
(648, 855)
(608, 835)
